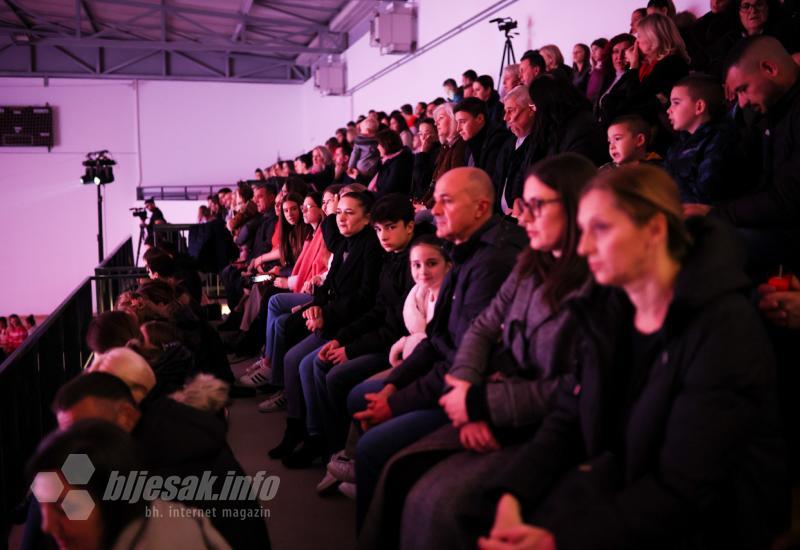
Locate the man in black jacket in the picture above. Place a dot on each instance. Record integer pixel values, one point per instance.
(515, 157)
(406, 407)
(765, 78)
(264, 197)
(483, 136)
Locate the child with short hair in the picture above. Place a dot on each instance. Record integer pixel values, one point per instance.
(707, 159)
(628, 139)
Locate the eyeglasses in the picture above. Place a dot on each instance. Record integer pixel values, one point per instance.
(755, 6)
(534, 206)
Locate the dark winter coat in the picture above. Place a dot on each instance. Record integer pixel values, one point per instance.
(479, 268)
(696, 460)
(380, 327)
(394, 175)
(707, 165)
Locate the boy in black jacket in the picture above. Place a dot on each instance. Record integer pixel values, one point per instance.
(706, 161)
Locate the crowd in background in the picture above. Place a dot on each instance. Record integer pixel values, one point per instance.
(559, 312)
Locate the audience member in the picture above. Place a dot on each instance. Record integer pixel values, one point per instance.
(510, 79)
(765, 78)
(111, 523)
(554, 62)
(396, 166)
(483, 89)
(483, 137)
(716, 479)
(425, 159)
(531, 65)
(403, 407)
(617, 88)
(706, 162)
(15, 334)
(365, 158)
(515, 157)
(628, 138)
(499, 396)
(398, 124)
(581, 66)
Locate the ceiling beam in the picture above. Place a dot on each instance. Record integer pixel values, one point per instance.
(238, 32)
(190, 10)
(72, 42)
(90, 16)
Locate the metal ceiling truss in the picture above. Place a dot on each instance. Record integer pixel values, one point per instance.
(167, 41)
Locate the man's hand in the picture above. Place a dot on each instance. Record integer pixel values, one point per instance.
(454, 402)
(478, 437)
(782, 308)
(378, 410)
(338, 356)
(313, 317)
(695, 209)
(325, 350)
(510, 533)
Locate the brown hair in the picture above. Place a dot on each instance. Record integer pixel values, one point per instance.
(642, 191)
(567, 174)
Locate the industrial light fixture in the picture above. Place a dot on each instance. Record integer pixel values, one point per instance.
(99, 171)
(21, 38)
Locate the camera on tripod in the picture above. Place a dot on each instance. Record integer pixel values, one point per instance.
(504, 24)
(140, 213)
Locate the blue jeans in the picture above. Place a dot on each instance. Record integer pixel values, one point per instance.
(298, 369)
(332, 384)
(279, 308)
(380, 443)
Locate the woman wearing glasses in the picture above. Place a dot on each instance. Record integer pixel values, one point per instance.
(497, 398)
(667, 436)
(755, 17)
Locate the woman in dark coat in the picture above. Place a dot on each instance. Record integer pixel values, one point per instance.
(666, 437)
(498, 399)
(563, 122)
(396, 166)
(658, 60)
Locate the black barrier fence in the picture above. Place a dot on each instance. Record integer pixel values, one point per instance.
(30, 377)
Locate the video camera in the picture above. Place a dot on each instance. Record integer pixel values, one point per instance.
(504, 24)
(140, 213)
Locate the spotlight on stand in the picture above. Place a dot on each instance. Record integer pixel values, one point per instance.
(99, 168)
(98, 171)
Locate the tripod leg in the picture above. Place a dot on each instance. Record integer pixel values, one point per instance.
(139, 246)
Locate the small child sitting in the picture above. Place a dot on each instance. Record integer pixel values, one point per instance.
(628, 138)
(707, 160)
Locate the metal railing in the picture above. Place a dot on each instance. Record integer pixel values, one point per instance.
(29, 379)
(49, 357)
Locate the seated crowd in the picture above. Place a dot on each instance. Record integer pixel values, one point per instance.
(13, 331)
(561, 315)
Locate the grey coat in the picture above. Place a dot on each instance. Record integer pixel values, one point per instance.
(444, 476)
(540, 346)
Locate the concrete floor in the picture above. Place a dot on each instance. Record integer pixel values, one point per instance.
(299, 517)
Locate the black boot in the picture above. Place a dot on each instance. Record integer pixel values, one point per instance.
(312, 449)
(294, 434)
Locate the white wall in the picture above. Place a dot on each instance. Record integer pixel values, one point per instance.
(213, 133)
(190, 133)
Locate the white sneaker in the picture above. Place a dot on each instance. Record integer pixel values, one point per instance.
(348, 490)
(275, 402)
(260, 376)
(342, 467)
(254, 367)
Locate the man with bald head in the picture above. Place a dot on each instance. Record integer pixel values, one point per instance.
(404, 407)
(764, 77)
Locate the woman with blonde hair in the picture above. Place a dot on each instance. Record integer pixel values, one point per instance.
(554, 62)
(667, 436)
(657, 60)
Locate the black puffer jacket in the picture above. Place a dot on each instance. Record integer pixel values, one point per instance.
(695, 461)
